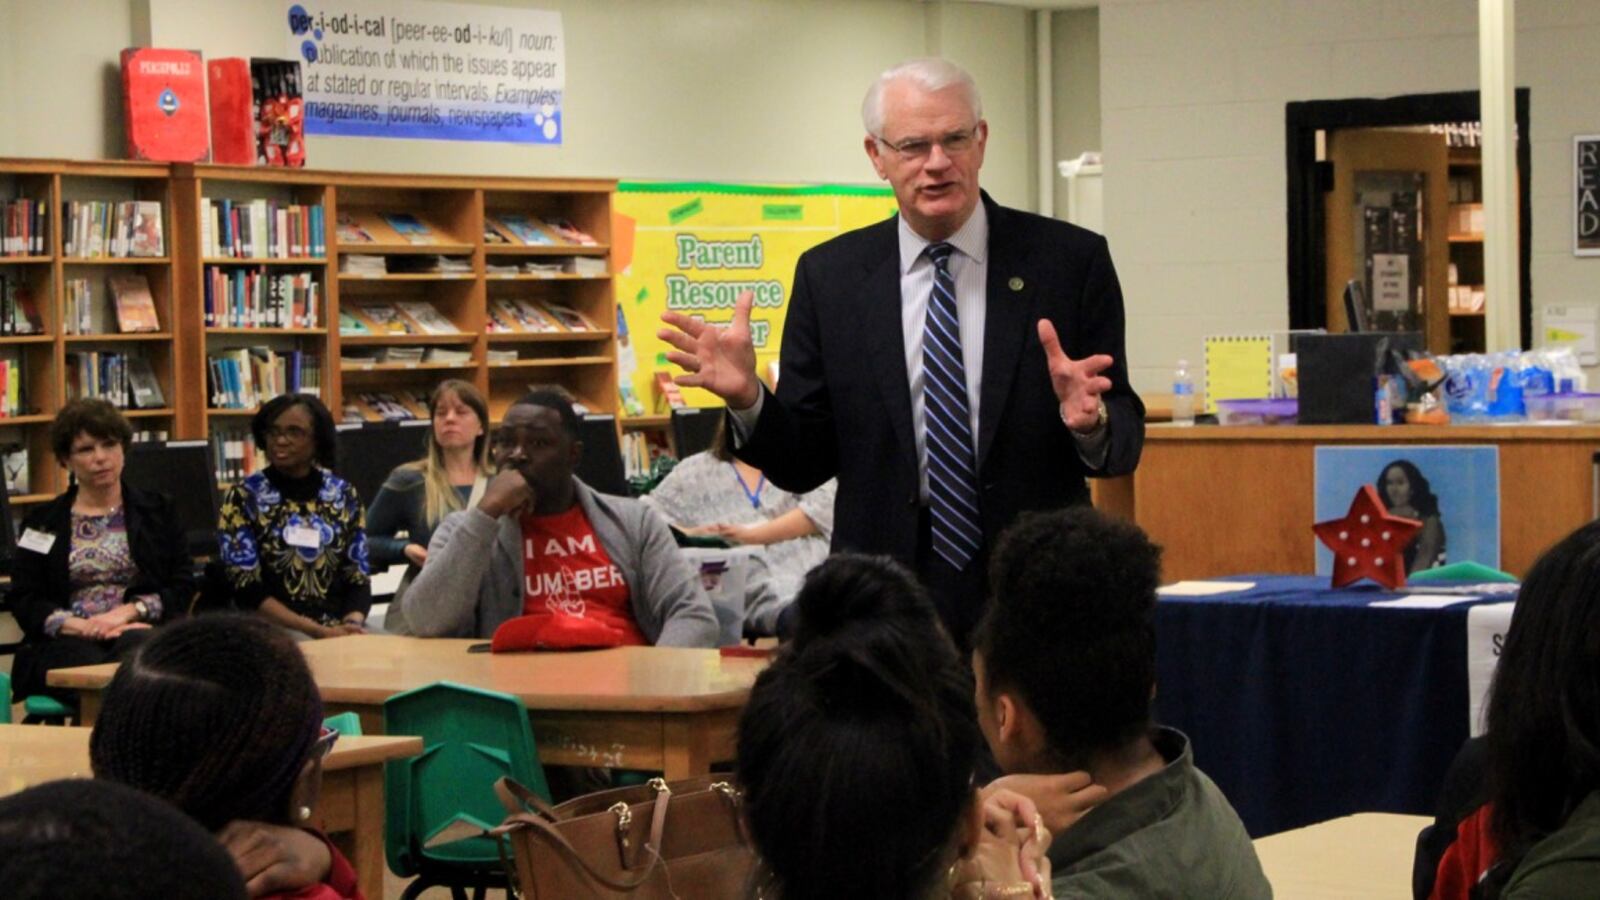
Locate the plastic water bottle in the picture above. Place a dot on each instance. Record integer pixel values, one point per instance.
(1182, 395)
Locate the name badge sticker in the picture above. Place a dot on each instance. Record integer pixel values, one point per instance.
(37, 541)
(302, 536)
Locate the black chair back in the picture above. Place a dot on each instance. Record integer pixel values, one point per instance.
(368, 452)
(183, 471)
(601, 466)
(693, 430)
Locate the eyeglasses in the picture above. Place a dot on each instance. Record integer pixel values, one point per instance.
(955, 143)
(292, 432)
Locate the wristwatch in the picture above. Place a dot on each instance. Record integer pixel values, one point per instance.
(1102, 416)
(143, 610)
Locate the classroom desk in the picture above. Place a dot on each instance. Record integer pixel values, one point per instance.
(350, 808)
(1367, 855)
(660, 708)
(1305, 703)
(1223, 499)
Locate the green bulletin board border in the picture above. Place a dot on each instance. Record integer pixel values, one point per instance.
(755, 190)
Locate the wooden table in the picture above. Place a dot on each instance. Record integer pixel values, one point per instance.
(661, 708)
(350, 808)
(1366, 855)
(1228, 499)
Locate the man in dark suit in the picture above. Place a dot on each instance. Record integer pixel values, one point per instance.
(952, 367)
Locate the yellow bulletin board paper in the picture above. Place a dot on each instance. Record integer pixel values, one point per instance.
(697, 245)
(1238, 367)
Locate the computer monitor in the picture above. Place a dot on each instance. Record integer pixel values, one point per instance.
(693, 430)
(369, 451)
(601, 466)
(181, 470)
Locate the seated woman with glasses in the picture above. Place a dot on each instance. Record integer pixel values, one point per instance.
(100, 563)
(219, 716)
(291, 539)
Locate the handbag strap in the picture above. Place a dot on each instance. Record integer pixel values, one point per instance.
(518, 799)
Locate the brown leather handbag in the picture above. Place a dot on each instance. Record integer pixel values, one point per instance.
(649, 842)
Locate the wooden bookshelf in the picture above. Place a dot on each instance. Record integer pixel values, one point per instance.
(452, 208)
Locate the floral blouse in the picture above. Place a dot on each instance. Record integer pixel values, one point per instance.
(99, 569)
(300, 541)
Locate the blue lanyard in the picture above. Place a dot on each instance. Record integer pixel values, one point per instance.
(753, 497)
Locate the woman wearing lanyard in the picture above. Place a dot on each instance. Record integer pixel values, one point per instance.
(712, 493)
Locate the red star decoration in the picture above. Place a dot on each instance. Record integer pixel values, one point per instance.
(1368, 542)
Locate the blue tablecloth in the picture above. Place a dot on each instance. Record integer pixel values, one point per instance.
(1304, 703)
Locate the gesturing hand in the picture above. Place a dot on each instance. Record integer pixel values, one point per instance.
(1078, 383)
(719, 358)
(1061, 799)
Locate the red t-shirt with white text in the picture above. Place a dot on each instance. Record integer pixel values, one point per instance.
(567, 571)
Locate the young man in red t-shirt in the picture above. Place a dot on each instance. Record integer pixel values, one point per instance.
(540, 543)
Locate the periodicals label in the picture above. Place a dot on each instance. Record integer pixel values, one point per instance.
(442, 71)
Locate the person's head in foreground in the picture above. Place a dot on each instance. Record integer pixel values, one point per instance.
(539, 438)
(218, 715)
(1544, 727)
(1065, 664)
(857, 749)
(1065, 657)
(93, 840)
(926, 136)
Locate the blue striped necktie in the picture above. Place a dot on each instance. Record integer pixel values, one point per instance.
(952, 475)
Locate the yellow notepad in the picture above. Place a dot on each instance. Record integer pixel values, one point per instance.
(1238, 367)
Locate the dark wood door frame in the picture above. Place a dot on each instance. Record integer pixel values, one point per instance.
(1310, 180)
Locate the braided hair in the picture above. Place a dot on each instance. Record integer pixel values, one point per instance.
(216, 714)
(868, 711)
(79, 839)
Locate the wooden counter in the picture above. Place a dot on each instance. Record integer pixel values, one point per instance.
(1230, 500)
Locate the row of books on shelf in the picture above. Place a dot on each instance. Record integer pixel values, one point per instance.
(550, 267)
(19, 314)
(365, 358)
(131, 301)
(519, 315)
(245, 377)
(13, 389)
(256, 298)
(262, 229)
(114, 229)
(125, 380)
(518, 229)
(22, 227)
(513, 229)
(385, 406)
(368, 265)
(393, 317)
(234, 454)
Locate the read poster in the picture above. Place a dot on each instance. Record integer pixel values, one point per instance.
(696, 246)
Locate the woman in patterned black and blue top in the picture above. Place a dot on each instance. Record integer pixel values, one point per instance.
(292, 538)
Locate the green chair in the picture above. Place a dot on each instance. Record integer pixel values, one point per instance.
(47, 710)
(5, 698)
(346, 723)
(470, 738)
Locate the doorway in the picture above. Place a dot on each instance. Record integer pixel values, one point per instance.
(1386, 196)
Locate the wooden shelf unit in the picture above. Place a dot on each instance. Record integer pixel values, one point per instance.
(454, 207)
(43, 358)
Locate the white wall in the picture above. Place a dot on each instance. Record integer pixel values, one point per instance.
(1075, 67)
(747, 90)
(1193, 95)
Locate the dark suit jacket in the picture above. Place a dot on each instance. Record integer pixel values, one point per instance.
(156, 541)
(843, 403)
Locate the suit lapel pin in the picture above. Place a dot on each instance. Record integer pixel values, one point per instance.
(1015, 284)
